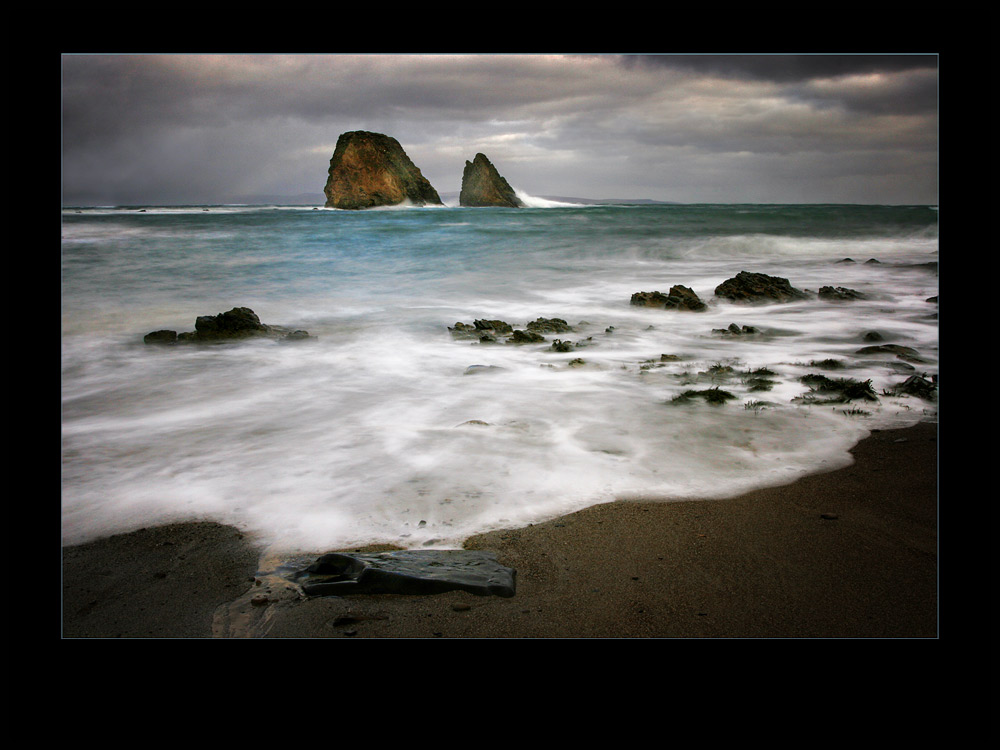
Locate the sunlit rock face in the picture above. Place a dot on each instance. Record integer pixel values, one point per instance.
(482, 185)
(371, 169)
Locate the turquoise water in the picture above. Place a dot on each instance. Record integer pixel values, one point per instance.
(362, 435)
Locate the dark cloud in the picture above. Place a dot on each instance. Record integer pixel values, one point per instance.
(781, 68)
(188, 128)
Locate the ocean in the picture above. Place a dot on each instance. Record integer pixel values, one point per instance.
(385, 426)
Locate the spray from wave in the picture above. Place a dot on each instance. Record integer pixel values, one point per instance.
(534, 201)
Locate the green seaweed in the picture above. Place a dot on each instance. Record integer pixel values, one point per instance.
(827, 364)
(842, 390)
(714, 396)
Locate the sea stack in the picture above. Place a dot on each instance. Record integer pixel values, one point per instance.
(371, 169)
(482, 185)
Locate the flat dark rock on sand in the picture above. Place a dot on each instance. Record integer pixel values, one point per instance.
(406, 572)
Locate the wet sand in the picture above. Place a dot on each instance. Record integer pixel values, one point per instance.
(850, 553)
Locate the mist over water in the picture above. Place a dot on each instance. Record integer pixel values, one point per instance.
(377, 430)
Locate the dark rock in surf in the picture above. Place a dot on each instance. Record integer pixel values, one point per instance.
(483, 186)
(371, 169)
(839, 294)
(240, 322)
(757, 288)
(407, 572)
(549, 325)
(234, 325)
(160, 337)
(480, 369)
(905, 353)
(916, 386)
(679, 298)
(735, 330)
(526, 337)
(494, 326)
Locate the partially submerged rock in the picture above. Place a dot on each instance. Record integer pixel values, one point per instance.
(839, 294)
(549, 325)
(714, 396)
(758, 288)
(233, 325)
(905, 353)
(678, 298)
(483, 186)
(735, 330)
(493, 331)
(526, 337)
(915, 385)
(406, 572)
(371, 169)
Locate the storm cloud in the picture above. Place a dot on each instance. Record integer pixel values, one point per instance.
(167, 129)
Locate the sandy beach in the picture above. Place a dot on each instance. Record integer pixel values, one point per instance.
(850, 553)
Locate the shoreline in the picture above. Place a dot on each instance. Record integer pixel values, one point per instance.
(849, 553)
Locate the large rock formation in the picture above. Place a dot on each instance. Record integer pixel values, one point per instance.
(757, 288)
(482, 185)
(371, 169)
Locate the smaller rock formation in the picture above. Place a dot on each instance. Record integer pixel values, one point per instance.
(679, 298)
(236, 324)
(758, 288)
(735, 330)
(905, 353)
(493, 331)
(483, 186)
(549, 325)
(839, 294)
(371, 169)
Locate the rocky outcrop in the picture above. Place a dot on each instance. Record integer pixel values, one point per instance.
(236, 324)
(679, 298)
(371, 169)
(758, 287)
(494, 331)
(482, 186)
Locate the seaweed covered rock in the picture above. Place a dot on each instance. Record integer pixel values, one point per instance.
(714, 396)
(824, 390)
(678, 298)
(413, 572)
(233, 325)
(371, 169)
(915, 385)
(483, 186)
(758, 288)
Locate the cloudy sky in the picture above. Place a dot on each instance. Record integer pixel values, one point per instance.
(196, 128)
